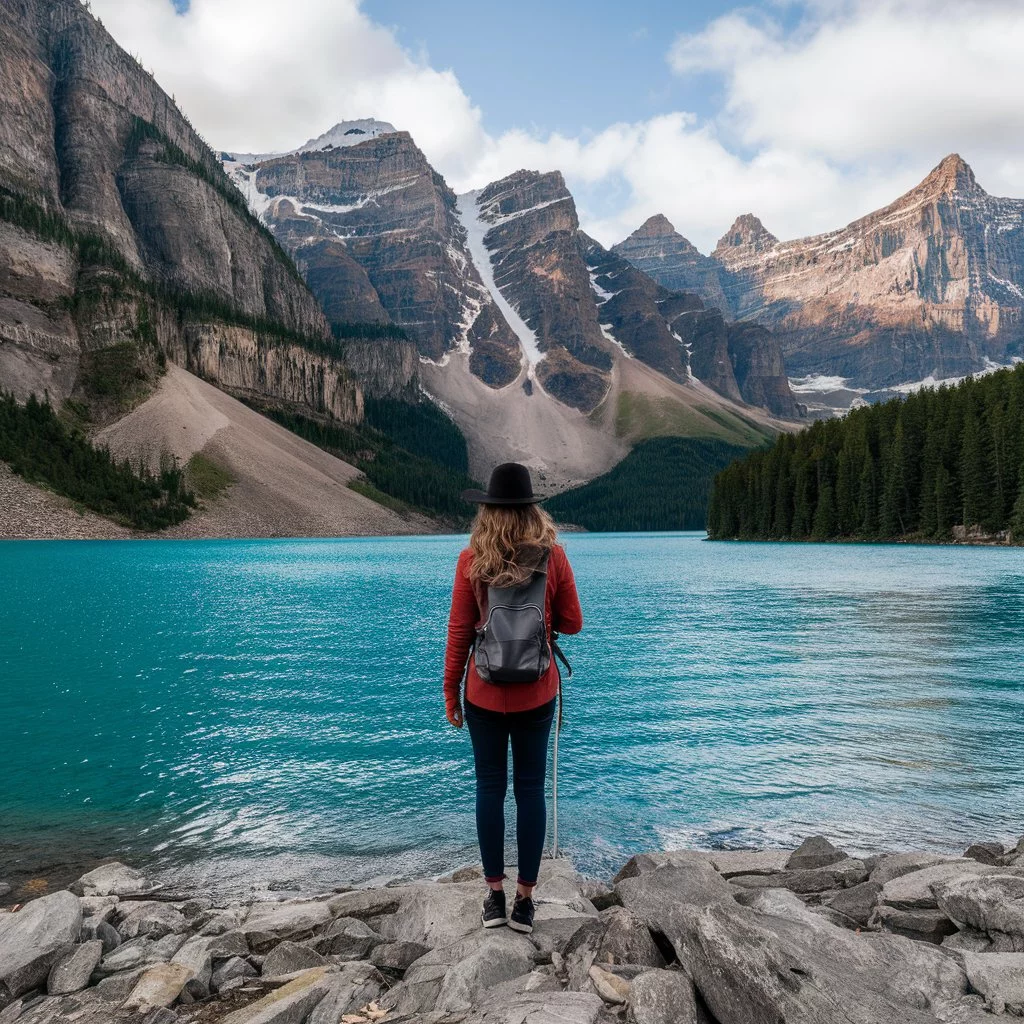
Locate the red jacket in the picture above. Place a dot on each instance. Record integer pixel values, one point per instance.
(469, 610)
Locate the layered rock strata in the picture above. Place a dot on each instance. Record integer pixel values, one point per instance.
(114, 214)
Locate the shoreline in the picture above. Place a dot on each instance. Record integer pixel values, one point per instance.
(675, 937)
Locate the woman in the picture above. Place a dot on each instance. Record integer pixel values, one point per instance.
(511, 547)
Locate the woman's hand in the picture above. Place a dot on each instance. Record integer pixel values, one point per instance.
(454, 713)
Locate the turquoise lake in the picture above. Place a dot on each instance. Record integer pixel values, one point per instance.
(270, 712)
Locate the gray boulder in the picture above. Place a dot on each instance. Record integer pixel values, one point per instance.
(857, 902)
(626, 940)
(267, 924)
(986, 853)
(729, 863)
(967, 940)
(926, 925)
(554, 928)
(993, 904)
(661, 997)
(916, 889)
(353, 987)
(396, 956)
(999, 977)
(148, 917)
(814, 852)
(112, 880)
(72, 972)
(453, 977)
(753, 967)
(895, 865)
(140, 952)
(235, 969)
(645, 863)
(5, 888)
(34, 939)
(291, 1004)
(159, 985)
(288, 957)
(347, 937)
(657, 896)
(104, 931)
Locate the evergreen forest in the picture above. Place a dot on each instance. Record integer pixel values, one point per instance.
(911, 469)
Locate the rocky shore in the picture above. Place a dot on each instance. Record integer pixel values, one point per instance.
(810, 936)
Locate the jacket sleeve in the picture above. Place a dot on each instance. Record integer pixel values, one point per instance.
(566, 614)
(462, 620)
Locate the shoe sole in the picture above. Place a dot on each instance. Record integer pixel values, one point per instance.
(496, 922)
(517, 927)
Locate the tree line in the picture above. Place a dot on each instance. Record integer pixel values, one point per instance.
(40, 447)
(662, 484)
(909, 469)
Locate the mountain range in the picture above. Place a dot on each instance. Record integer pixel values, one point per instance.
(346, 280)
(930, 287)
(542, 345)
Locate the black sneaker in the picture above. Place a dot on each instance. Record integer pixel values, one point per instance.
(493, 914)
(522, 914)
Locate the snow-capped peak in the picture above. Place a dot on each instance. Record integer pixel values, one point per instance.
(344, 133)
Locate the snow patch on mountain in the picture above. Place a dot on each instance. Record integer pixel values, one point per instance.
(476, 228)
(344, 133)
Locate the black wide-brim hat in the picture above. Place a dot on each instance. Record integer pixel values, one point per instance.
(510, 484)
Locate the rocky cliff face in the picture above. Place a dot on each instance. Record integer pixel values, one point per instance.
(525, 228)
(117, 217)
(676, 334)
(377, 234)
(930, 286)
(659, 250)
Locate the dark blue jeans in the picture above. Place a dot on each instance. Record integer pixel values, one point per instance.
(528, 732)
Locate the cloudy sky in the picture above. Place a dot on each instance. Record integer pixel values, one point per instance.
(808, 113)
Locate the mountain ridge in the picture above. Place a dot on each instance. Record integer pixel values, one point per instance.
(929, 286)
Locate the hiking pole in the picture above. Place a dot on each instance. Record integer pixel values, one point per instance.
(554, 759)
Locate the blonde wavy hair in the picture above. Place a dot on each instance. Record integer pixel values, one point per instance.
(508, 542)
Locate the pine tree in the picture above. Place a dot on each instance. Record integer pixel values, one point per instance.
(974, 475)
(825, 515)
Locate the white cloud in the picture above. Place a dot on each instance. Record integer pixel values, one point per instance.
(819, 124)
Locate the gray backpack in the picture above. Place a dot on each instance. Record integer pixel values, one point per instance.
(512, 646)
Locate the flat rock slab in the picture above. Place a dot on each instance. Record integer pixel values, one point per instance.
(857, 902)
(159, 986)
(999, 977)
(266, 924)
(72, 972)
(290, 1004)
(894, 865)
(112, 880)
(34, 939)
(661, 997)
(914, 891)
(747, 862)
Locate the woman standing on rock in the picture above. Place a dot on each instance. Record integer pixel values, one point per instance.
(514, 590)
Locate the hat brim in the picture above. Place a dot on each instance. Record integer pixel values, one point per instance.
(483, 498)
